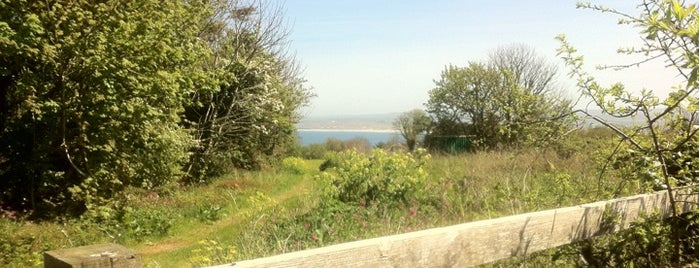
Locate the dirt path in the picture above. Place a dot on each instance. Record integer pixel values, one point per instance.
(192, 236)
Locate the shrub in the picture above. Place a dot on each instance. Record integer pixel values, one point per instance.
(358, 143)
(313, 151)
(149, 222)
(16, 249)
(331, 161)
(359, 196)
(210, 213)
(379, 177)
(585, 140)
(212, 252)
(395, 144)
(647, 243)
(294, 165)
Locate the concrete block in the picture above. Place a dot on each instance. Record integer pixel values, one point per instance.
(93, 256)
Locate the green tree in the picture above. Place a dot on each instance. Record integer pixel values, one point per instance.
(97, 97)
(411, 125)
(250, 115)
(506, 102)
(90, 97)
(661, 151)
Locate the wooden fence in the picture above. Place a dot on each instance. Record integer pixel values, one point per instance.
(484, 241)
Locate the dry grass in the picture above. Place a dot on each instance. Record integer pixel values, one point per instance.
(492, 184)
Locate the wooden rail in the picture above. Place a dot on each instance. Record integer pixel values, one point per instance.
(484, 241)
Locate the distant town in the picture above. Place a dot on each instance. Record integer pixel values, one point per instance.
(374, 122)
(384, 122)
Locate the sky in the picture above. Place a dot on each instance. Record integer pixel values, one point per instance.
(379, 56)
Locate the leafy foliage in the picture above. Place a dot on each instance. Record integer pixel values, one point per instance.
(294, 165)
(17, 249)
(358, 193)
(412, 125)
(388, 179)
(249, 114)
(360, 144)
(312, 151)
(212, 252)
(98, 97)
(497, 104)
(91, 96)
(143, 223)
(647, 243)
(662, 150)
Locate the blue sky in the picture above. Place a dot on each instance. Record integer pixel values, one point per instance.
(379, 56)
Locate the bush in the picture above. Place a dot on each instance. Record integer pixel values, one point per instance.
(380, 177)
(210, 213)
(358, 143)
(212, 252)
(331, 161)
(148, 222)
(647, 243)
(16, 249)
(313, 151)
(585, 140)
(294, 165)
(359, 196)
(85, 135)
(395, 144)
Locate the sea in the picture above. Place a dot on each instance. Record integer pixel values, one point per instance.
(307, 136)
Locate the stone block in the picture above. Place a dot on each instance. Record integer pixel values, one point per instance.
(93, 256)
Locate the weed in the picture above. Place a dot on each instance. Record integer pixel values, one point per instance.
(294, 165)
(148, 222)
(210, 252)
(297, 207)
(210, 213)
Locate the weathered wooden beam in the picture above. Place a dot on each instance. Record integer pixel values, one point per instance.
(93, 256)
(484, 241)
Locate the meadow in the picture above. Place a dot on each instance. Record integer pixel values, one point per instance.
(293, 205)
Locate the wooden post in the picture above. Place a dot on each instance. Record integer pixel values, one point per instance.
(93, 256)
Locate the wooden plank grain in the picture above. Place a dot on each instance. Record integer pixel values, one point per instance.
(481, 242)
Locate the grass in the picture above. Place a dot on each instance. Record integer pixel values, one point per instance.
(249, 214)
(493, 184)
(196, 213)
(234, 193)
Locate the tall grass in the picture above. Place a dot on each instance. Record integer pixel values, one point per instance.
(461, 188)
(492, 184)
(251, 214)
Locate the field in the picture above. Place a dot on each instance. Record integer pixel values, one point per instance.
(170, 127)
(249, 214)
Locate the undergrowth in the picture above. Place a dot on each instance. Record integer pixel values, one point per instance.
(247, 215)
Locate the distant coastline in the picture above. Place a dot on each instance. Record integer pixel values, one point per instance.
(347, 130)
(378, 123)
(309, 136)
